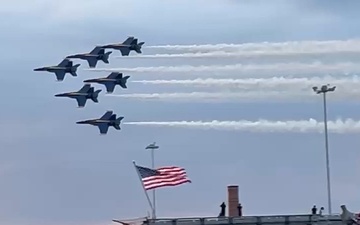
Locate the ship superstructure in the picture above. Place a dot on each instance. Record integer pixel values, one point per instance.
(235, 217)
(308, 219)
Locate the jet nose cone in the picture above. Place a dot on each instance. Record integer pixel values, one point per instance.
(81, 122)
(37, 69)
(62, 95)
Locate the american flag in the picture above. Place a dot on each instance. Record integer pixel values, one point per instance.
(162, 177)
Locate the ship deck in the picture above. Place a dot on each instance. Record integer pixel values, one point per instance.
(252, 220)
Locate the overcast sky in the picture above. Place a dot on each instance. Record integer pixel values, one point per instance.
(55, 172)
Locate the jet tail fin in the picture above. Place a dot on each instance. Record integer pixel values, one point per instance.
(117, 123)
(95, 95)
(128, 40)
(138, 47)
(117, 126)
(105, 58)
(123, 81)
(74, 69)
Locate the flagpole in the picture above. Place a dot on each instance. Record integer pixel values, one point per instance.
(152, 147)
(153, 191)
(142, 184)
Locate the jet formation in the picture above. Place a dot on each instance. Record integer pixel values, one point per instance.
(81, 96)
(65, 66)
(98, 53)
(115, 78)
(93, 57)
(104, 122)
(130, 44)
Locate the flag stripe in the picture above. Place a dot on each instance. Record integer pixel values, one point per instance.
(177, 170)
(163, 179)
(167, 180)
(173, 168)
(163, 176)
(168, 184)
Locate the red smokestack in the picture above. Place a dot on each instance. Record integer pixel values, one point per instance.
(233, 200)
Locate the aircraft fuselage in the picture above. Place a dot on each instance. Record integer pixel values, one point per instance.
(104, 80)
(118, 46)
(97, 122)
(94, 122)
(53, 69)
(85, 56)
(73, 94)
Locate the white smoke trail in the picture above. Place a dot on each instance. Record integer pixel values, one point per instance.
(250, 96)
(244, 54)
(292, 46)
(288, 68)
(296, 126)
(251, 83)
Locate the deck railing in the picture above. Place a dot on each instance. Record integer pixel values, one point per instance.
(250, 220)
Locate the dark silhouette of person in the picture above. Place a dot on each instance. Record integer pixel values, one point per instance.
(222, 211)
(239, 209)
(313, 210)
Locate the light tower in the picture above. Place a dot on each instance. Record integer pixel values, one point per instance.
(323, 90)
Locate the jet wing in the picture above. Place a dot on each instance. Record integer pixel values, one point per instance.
(125, 51)
(128, 41)
(85, 88)
(115, 75)
(110, 86)
(64, 63)
(60, 75)
(81, 100)
(96, 50)
(103, 128)
(92, 62)
(106, 115)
